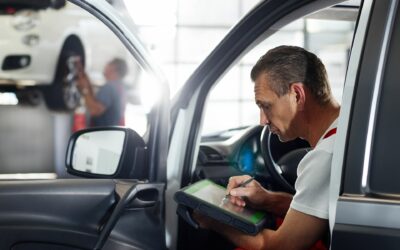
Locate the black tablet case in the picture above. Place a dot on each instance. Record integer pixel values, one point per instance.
(217, 213)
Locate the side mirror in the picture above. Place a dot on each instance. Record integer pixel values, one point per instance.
(109, 152)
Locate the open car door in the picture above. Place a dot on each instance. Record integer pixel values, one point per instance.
(197, 159)
(113, 210)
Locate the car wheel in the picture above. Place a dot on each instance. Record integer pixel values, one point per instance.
(63, 93)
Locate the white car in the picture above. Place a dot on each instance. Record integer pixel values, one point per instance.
(34, 53)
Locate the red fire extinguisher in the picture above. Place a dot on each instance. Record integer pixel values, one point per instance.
(79, 118)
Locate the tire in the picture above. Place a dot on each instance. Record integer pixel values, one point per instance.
(63, 94)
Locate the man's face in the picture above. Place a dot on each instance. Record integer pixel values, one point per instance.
(109, 72)
(279, 113)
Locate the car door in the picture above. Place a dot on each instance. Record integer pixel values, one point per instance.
(366, 172)
(188, 109)
(92, 213)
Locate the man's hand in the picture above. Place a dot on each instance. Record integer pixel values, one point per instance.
(83, 82)
(253, 193)
(298, 231)
(94, 107)
(79, 65)
(256, 196)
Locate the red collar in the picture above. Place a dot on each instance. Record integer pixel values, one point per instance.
(329, 133)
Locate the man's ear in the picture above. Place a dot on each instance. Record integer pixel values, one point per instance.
(299, 92)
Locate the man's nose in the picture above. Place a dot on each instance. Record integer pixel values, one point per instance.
(263, 118)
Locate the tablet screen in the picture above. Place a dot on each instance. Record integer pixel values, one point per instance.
(214, 194)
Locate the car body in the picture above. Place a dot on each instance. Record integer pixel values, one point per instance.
(364, 189)
(29, 33)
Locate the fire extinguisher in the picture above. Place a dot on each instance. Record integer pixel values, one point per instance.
(79, 118)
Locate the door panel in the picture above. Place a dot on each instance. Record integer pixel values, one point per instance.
(70, 214)
(361, 237)
(367, 210)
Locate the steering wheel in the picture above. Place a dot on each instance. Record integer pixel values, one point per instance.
(283, 172)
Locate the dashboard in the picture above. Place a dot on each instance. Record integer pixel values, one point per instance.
(240, 153)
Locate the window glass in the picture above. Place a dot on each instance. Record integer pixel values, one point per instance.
(34, 131)
(234, 97)
(194, 44)
(192, 12)
(160, 41)
(181, 33)
(247, 5)
(288, 37)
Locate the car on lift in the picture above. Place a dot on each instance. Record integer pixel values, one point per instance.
(38, 57)
(114, 210)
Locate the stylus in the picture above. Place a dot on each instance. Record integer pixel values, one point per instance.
(243, 184)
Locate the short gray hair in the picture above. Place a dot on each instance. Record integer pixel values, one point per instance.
(285, 65)
(120, 66)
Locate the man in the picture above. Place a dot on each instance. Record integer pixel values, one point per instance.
(295, 100)
(107, 107)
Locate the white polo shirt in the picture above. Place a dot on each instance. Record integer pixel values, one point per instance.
(313, 177)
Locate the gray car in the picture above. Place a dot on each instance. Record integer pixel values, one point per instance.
(112, 209)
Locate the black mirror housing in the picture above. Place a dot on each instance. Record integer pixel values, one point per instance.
(132, 157)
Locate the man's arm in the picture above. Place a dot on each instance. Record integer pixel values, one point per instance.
(277, 203)
(94, 107)
(258, 197)
(298, 231)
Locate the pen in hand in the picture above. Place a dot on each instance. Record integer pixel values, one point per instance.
(243, 184)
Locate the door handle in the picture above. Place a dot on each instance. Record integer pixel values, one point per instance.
(146, 195)
(133, 198)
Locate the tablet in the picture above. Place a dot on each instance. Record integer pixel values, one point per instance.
(208, 198)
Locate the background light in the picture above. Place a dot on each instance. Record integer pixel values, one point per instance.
(8, 99)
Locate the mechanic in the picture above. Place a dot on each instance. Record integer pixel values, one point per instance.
(293, 94)
(107, 107)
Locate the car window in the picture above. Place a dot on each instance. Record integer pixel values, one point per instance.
(180, 34)
(40, 104)
(320, 33)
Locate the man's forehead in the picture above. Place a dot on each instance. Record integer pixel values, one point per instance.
(263, 97)
(263, 76)
(261, 84)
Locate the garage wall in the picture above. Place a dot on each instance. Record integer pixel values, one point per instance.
(27, 139)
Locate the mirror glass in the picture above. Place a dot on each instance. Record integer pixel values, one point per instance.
(98, 152)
